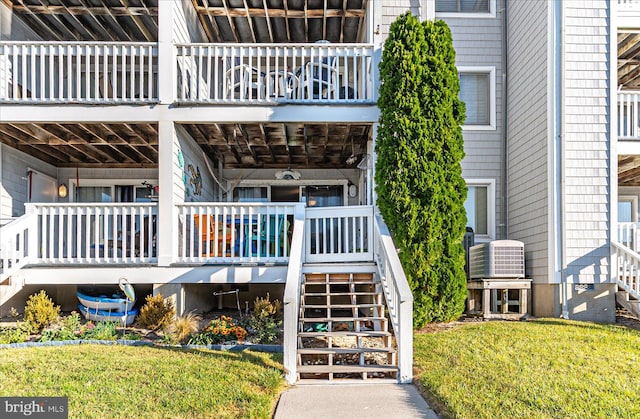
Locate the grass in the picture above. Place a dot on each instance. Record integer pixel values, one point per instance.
(121, 381)
(544, 369)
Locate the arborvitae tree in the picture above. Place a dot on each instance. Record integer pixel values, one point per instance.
(420, 188)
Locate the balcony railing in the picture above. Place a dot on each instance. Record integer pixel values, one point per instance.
(94, 233)
(78, 72)
(245, 73)
(628, 115)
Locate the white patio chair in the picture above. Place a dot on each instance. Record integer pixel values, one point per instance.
(243, 81)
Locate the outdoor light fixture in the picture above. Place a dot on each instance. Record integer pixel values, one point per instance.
(62, 190)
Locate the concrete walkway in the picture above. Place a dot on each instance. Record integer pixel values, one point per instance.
(353, 401)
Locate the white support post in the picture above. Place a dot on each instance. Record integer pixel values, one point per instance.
(167, 240)
(166, 53)
(292, 296)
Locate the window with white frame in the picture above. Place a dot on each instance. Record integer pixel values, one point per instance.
(480, 208)
(466, 8)
(477, 91)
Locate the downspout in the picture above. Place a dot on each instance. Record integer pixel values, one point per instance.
(505, 153)
(563, 233)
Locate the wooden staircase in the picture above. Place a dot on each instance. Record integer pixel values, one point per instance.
(629, 302)
(343, 330)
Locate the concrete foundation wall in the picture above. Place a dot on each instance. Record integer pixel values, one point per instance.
(586, 302)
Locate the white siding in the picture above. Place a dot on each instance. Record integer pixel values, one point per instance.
(13, 181)
(528, 142)
(587, 146)
(186, 26)
(194, 163)
(14, 29)
(478, 43)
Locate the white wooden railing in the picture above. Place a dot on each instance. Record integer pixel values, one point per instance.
(242, 73)
(628, 268)
(291, 298)
(628, 235)
(398, 297)
(14, 245)
(628, 115)
(85, 72)
(231, 232)
(339, 234)
(94, 233)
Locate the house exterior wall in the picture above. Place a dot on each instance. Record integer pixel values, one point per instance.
(193, 169)
(14, 29)
(478, 42)
(391, 9)
(528, 166)
(587, 156)
(14, 182)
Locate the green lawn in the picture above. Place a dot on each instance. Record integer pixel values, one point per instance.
(121, 381)
(537, 369)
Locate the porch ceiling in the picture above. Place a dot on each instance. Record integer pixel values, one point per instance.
(267, 21)
(222, 20)
(629, 60)
(282, 145)
(628, 170)
(90, 20)
(86, 145)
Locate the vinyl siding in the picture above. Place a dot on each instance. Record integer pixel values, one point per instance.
(193, 159)
(587, 145)
(13, 180)
(478, 43)
(528, 142)
(391, 9)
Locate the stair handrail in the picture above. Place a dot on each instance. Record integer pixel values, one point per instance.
(627, 274)
(398, 296)
(291, 300)
(16, 245)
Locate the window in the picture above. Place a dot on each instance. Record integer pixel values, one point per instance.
(250, 194)
(465, 8)
(480, 208)
(477, 91)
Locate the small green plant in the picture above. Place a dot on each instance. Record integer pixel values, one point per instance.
(182, 327)
(156, 313)
(40, 311)
(102, 331)
(219, 330)
(266, 320)
(14, 334)
(70, 329)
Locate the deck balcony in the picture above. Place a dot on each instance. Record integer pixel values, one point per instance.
(108, 234)
(78, 72)
(275, 73)
(109, 73)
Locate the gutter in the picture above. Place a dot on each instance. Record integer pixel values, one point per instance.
(561, 139)
(505, 100)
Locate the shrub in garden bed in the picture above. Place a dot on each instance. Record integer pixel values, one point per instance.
(219, 330)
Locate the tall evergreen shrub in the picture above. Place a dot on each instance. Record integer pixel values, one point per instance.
(420, 188)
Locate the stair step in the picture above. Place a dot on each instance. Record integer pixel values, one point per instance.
(367, 305)
(339, 319)
(325, 351)
(340, 294)
(320, 369)
(372, 333)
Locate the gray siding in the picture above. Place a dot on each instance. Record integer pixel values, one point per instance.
(528, 144)
(587, 146)
(391, 9)
(478, 43)
(13, 179)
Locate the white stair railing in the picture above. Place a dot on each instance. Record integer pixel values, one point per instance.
(398, 297)
(292, 296)
(95, 233)
(15, 250)
(82, 72)
(628, 268)
(339, 234)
